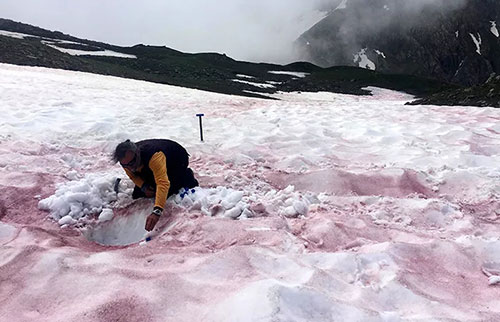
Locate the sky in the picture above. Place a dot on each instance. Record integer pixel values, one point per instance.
(311, 207)
(259, 30)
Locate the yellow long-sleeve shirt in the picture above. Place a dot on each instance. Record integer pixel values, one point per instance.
(157, 164)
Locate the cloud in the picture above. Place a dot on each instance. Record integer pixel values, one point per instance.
(258, 30)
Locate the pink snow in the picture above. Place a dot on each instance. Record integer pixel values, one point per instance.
(383, 242)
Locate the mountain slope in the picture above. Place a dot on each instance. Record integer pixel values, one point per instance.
(28, 45)
(455, 42)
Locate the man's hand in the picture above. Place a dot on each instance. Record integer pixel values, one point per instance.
(150, 192)
(151, 222)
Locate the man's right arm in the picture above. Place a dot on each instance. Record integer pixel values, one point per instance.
(135, 179)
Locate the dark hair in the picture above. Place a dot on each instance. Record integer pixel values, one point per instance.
(122, 148)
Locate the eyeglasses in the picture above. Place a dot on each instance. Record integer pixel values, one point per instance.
(131, 163)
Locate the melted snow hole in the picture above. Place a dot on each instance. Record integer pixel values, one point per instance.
(121, 230)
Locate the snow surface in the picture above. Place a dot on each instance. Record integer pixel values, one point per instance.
(347, 208)
(6, 232)
(494, 29)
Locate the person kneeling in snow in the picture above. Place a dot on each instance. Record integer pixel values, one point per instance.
(158, 168)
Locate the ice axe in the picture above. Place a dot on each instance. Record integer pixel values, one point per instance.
(200, 115)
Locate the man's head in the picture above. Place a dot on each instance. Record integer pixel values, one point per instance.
(128, 155)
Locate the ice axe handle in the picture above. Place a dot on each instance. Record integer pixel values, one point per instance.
(117, 185)
(201, 127)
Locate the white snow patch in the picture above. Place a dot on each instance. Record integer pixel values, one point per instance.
(60, 41)
(260, 85)
(256, 93)
(296, 74)
(363, 61)
(380, 53)
(456, 34)
(494, 29)
(342, 5)
(477, 41)
(244, 76)
(76, 52)
(14, 34)
(459, 67)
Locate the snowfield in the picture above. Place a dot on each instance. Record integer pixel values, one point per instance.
(316, 207)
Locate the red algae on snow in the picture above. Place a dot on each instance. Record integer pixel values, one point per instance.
(391, 214)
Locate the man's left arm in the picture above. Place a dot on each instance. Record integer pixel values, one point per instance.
(158, 165)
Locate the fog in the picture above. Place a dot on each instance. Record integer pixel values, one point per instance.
(258, 30)
(374, 15)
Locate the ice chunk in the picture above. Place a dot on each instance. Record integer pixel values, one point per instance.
(290, 212)
(232, 199)
(234, 212)
(66, 220)
(72, 175)
(300, 207)
(106, 214)
(494, 279)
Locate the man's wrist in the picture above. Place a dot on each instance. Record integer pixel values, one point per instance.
(157, 211)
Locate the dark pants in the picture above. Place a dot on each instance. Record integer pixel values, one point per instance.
(184, 180)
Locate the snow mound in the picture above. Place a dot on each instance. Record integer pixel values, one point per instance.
(226, 202)
(111, 217)
(95, 195)
(76, 199)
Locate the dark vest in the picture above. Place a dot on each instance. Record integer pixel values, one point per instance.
(177, 159)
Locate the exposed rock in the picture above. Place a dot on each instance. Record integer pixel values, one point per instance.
(487, 94)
